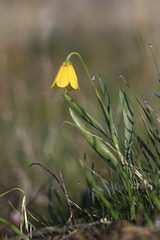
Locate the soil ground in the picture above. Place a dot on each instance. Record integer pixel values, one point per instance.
(93, 231)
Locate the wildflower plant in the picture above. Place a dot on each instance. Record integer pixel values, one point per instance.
(133, 190)
(66, 77)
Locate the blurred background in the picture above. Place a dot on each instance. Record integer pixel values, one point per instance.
(112, 37)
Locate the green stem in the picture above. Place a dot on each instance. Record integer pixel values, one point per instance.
(13, 189)
(96, 92)
(87, 72)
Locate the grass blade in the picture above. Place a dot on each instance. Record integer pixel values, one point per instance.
(108, 113)
(105, 92)
(83, 114)
(14, 229)
(95, 142)
(149, 152)
(101, 196)
(128, 121)
(150, 118)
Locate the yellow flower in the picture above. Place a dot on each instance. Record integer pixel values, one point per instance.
(66, 78)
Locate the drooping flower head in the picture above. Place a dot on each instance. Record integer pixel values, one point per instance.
(66, 77)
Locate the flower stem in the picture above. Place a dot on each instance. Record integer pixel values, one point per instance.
(97, 94)
(87, 72)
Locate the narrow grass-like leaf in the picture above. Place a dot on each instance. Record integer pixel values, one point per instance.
(95, 142)
(128, 121)
(157, 95)
(14, 229)
(101, 196)
(156, 200)
(144, 166)
(11, 190)
(83, 114)
(108, 113)
(146, 111)
(154, 138)
(149, 152)
(105, 92)
(150, 119)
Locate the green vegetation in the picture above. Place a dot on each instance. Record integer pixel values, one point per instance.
(133, 161)
(130, 191)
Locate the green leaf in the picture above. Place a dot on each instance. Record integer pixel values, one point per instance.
(128, 121)
(148, 151)
(95, 142)
(105, 92)
(114, 213)
(13, 189)
(154, 138)
(15, 229)
(83, 114)
(108, 113)
(150, 119)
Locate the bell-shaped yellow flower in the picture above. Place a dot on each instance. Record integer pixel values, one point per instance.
(66, 78)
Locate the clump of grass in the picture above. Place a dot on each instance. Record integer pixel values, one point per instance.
(134, 163)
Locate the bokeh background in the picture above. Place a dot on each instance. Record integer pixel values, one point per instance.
(112, 37)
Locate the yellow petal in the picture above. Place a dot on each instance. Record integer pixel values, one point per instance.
(73, 77)
(63, 80)
(58, 76)
(66, 78)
